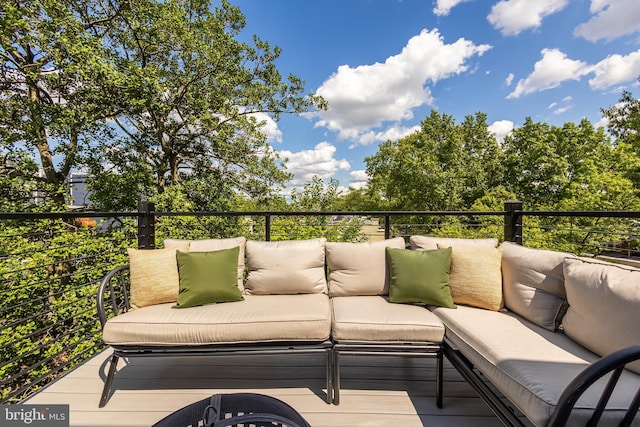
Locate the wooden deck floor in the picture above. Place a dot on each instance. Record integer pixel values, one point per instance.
(376, 391)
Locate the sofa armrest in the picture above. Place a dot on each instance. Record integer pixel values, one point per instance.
(113, 293)
(612, 364)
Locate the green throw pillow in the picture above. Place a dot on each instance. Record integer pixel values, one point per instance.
(207, 277)
(420, 276)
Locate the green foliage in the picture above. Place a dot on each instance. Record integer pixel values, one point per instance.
(56, 84)
(443, 166)
(49, 271)
(316, 198)
(624, 120)
(178, 199)
(197, 101)
(143, 94)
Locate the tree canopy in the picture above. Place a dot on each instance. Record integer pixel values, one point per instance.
(443, 166)
(144, 94)
(449, 166)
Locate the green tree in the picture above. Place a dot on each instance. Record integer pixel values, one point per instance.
(443, 166)
(360, 199)
(56, 85)
(198, 99)
(316, 197)
(624, 124)
(573, 166)
(624, 120)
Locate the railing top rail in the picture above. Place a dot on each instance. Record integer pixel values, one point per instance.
(594, 214)
(331, 213)
(132, 214)
(59, 215)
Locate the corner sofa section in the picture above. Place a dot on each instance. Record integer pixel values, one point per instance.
(560, 315)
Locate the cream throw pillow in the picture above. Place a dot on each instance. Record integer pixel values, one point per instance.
(430, 243)
(476, 278)
(154, 275)
(533, 284)
(286, 267)
(357, 269)
(211, 245)
(604, 301)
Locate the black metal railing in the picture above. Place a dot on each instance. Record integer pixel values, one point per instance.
(51, 263)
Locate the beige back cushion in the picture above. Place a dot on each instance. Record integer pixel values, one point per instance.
(430, 243)
(533, 284)
(154, 275)
(359, 268)
(475, 278)
(604, 306)
(286, 267)
(210, 245)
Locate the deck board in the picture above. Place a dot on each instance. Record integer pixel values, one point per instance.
(376, 391)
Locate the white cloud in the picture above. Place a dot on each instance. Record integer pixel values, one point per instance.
(615, 69)
(554, 68)
(319, 161)
(562, 106)
(613, 19)
(511, 17)
(443, 7)
(392, 133)
(364, 97)
(562, 109)
(269, 128)
(549, 72)
(359, 179)
(359, 175)
(501, 128)
(509, 79)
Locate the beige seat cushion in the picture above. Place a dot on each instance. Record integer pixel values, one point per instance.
(373, 318)
(533, 284)
(529, 364)
(259, 318)
(210, 245)
(430, 243)
(286, 267)
(604, 305)
(154, 275)
(359, 268)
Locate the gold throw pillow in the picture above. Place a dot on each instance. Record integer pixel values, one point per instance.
(154, 275)
(476, 278)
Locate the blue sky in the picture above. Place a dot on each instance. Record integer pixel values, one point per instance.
(383, 65)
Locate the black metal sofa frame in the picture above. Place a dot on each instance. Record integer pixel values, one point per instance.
(408, 349)
(611, 365)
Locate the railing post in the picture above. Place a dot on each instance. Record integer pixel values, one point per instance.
(513, 221)
(267, 227)
(146, 226)
(387, 226)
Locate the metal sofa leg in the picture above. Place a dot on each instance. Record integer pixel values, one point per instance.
(329, 375)
(109, 380)
(336, 377)
(439, 377)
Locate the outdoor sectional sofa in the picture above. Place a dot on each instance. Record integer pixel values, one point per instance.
(520, 324)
